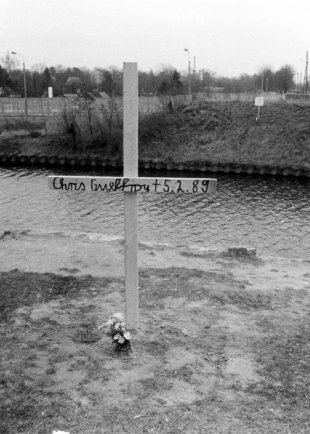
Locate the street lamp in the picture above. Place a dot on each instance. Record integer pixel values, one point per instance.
(25, 84)
(189, 71)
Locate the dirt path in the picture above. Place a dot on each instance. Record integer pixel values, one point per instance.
(223, 344)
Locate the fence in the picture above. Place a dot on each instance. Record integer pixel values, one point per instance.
(15, 107)
(49, 107)
(36, 106)
(298, 97)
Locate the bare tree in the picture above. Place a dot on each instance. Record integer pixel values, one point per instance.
(9, 62)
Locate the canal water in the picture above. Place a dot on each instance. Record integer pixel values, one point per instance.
(269, 213)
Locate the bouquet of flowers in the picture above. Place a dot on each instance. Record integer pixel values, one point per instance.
(116, 328)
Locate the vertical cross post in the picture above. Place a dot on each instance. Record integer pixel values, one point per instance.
(130, 150)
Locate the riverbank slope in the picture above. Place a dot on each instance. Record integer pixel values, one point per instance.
(206, 133)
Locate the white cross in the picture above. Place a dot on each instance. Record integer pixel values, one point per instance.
(130, 184)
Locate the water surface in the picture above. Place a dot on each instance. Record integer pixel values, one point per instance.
(269, 213)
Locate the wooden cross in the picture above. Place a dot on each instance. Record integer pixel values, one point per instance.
(130, 184)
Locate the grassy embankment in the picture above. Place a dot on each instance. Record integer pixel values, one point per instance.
(216, 132)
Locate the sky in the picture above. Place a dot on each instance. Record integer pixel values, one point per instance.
(228, 37)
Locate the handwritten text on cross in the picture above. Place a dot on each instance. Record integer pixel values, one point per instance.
(134, 185)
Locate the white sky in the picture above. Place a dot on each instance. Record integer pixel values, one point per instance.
(228, 37)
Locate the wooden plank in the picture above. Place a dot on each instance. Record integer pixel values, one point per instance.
(130, 184)
(131, 261)
(100, 184)
(130, 152)
(130, 119)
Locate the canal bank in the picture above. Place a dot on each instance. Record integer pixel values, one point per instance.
(213, 137)
(91, 162)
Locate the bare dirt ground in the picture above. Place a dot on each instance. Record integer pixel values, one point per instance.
(223, 344)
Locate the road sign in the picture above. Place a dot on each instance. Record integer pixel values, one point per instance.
(259, 101)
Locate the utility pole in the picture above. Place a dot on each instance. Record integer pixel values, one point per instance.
(189, 72)
(25, 82)
(306, 73)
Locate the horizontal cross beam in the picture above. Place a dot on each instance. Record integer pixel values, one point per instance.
(133, 185)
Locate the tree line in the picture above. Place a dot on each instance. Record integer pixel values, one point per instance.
(166, 81)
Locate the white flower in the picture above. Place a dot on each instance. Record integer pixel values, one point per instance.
(118, 317)
(116, 337)
(127, 336)
(121, 340)
(110, 322)
(117, 326)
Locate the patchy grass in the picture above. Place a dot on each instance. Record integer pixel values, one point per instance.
(285, 370)
(16, 291)
(212, 355)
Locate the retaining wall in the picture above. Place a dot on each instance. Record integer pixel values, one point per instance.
(58, 161)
